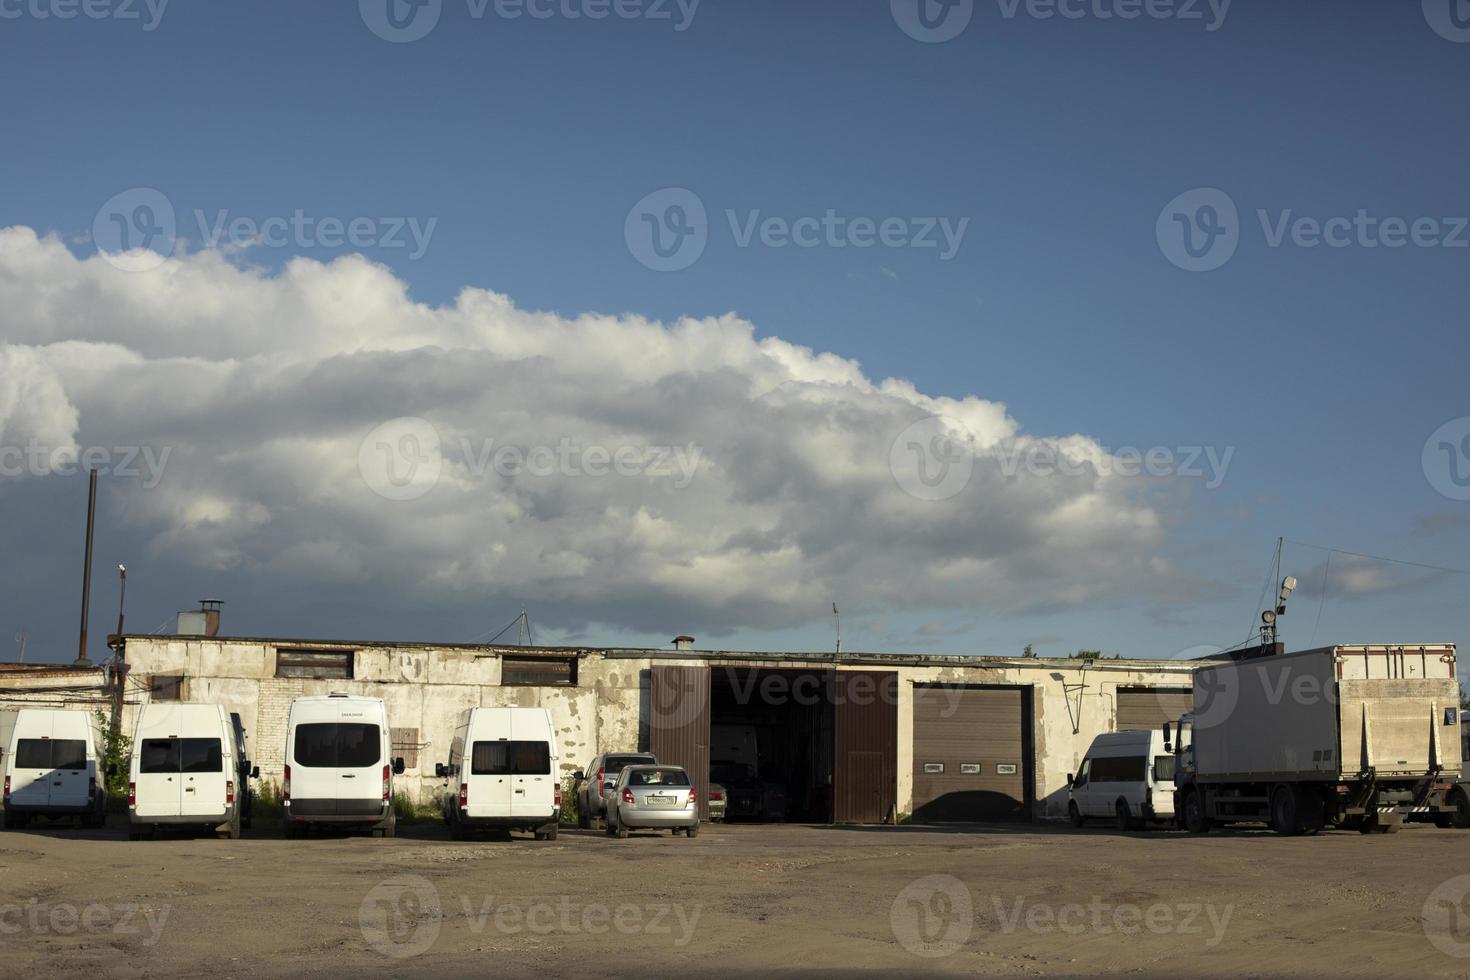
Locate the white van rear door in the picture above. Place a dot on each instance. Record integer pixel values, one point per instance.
(530, 752)
(360, 763)
(157, 786)
(71, 777)
(487, 777)
(313, 760)
(202, 773)
(30, 767)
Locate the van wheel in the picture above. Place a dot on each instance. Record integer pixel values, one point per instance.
(1074, 814)
(1124, 818)
(584, 819)
(551, 834)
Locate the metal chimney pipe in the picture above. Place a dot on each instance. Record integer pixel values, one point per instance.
(82, 660)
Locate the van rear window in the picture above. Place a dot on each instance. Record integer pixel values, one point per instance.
(331, 745)
(157, 755)
(511, 759)
(177, 755)
(51, 753)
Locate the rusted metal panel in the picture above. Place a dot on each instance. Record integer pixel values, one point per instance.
(865, 781)
(970, 753)
(678, 723)
(1149, 707)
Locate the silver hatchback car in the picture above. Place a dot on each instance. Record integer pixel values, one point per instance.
(653, 797)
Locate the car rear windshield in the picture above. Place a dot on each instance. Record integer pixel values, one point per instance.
(658, 777)
(614, 764)
(342, 745)
(171, 755)
(510, 759)
(51, 753)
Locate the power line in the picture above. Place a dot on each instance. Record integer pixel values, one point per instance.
(1395, 561)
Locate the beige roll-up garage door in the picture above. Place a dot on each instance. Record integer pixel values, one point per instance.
(1150, 707)
(969, 753)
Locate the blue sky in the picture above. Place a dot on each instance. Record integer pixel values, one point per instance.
(1059, 141)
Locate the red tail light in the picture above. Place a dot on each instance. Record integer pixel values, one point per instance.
(229, 792)
(464, 794)
(132, 795)
(556, 796)
(693, 796)
(599, 784)
(717, 796)
(286, 786)
(387, 779)
(7, 787)
(627, 795)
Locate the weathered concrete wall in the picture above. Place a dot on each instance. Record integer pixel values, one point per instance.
(426, 687)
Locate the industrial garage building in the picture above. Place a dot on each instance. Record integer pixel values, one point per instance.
(856, 738)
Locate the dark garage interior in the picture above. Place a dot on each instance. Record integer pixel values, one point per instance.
(771, 740)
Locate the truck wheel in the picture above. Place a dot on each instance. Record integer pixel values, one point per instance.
(1461, 801)
(1285, 815)
(1074, 814)
(1124, 817)
(1195, 820)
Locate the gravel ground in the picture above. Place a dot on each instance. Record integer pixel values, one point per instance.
(739, 899)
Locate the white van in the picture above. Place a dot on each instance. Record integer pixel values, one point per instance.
(52, 768)
(338, 769)
(185, 771)
(503, 773)
(1127, 777)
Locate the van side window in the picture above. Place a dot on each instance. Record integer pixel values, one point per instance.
(511, 759)
(1120, 769)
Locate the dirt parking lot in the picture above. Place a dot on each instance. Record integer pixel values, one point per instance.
(813, 900)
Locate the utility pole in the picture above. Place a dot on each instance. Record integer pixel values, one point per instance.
(82, 660)
(119, 655)
(837, 617)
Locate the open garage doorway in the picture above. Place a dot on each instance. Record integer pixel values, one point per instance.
(771, 739)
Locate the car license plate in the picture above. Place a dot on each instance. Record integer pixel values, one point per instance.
(660, 800)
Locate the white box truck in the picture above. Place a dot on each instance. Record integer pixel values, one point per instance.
(1360, 737)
